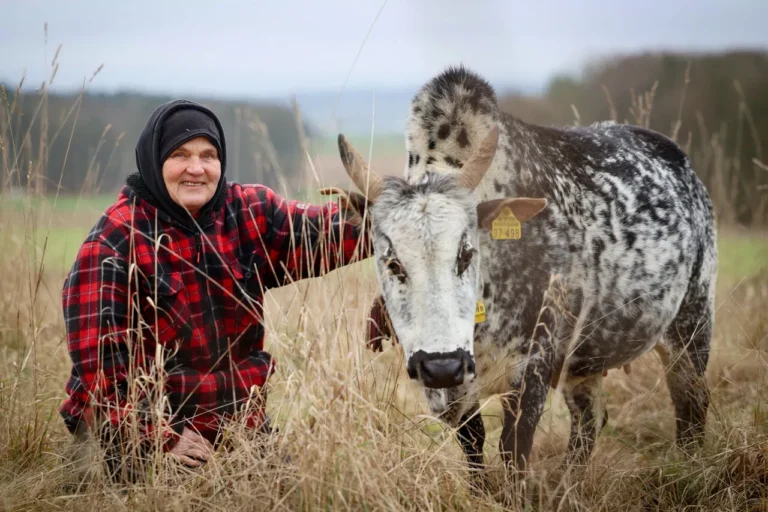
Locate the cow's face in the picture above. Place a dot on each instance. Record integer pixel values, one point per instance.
(425, 242)
(425, 251)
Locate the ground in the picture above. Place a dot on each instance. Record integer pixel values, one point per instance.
(357, 430)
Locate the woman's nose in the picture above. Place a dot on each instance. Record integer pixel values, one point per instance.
(195, 166)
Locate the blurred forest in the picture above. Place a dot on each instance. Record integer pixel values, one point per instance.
(262, 140)
(714, 105)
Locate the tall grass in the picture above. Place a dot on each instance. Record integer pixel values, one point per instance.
(354, 432)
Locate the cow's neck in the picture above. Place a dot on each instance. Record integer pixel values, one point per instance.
(525, 166)
(530, 162)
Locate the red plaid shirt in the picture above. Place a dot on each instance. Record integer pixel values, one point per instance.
(195, 300)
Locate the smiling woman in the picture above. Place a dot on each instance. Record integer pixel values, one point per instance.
(163, 305)
(192, 172)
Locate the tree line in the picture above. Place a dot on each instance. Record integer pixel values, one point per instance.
(84, 144)
(715, 105)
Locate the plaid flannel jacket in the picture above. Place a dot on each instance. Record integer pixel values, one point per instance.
(143, 287)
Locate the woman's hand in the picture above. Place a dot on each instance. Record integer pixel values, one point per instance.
(192, 449)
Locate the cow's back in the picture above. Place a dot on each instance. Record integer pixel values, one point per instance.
(647, 235)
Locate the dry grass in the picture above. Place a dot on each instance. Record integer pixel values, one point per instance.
(357, 430)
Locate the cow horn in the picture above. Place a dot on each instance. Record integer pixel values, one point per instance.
(369, 183)
(475, 168)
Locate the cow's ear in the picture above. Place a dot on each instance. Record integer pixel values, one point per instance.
(354, 203)
(379, 325)
(524, 209)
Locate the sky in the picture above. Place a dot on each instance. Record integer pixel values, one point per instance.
(260, 49)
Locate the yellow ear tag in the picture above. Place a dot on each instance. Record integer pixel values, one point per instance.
(506, 226)
(479, 312)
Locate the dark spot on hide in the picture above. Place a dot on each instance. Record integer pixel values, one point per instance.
(630, 238)
(453, 162)
(463, 139)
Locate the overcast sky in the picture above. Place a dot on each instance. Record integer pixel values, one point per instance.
(277, 47)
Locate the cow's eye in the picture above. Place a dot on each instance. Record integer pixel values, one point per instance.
(396, 269)
(392, 263)
(465, 258)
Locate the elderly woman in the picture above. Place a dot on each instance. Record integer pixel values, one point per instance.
(163, 304)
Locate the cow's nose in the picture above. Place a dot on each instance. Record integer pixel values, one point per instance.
(442, 373)
(443, 369)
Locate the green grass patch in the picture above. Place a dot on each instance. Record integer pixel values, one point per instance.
(387, 144)
(71, 217)
(741, 255)
(62, 204)
(50, 229)
(60, 245)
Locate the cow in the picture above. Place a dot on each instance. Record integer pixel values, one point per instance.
(584, 247)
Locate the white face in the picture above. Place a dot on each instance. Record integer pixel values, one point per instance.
(425, 240)
(191, 173)
(425, 246)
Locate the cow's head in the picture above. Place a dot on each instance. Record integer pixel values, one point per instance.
(425, 242)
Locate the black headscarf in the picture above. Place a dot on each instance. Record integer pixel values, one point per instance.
(171, 125)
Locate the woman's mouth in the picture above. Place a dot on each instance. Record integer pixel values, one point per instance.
(192, 184)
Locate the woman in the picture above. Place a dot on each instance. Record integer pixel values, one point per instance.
(163, 303)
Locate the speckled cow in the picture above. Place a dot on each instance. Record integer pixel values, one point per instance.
(616, 256)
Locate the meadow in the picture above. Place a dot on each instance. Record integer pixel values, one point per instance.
(357, 431)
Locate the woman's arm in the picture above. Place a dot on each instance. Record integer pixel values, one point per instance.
(304, 240)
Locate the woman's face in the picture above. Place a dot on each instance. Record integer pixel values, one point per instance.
(191, 173)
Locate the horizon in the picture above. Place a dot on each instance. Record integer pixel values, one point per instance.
(357, 109)
(340, 45)
(351, 65)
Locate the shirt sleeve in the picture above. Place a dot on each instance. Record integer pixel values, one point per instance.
(96, 305)
(307, 240)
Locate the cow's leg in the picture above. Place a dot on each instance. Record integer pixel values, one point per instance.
(523, 406)
(685, 354)
(459, 407)
(524, 403)
(471, 435)
(584, 396)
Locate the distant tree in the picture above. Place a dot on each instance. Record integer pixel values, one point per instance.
(86, 157)
(715, 105)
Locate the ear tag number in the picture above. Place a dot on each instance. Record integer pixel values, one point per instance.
(479, 312)
(506, 226)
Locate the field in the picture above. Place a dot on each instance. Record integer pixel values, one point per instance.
(355, 433)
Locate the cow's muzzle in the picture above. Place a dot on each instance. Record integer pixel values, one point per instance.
(441, 369)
